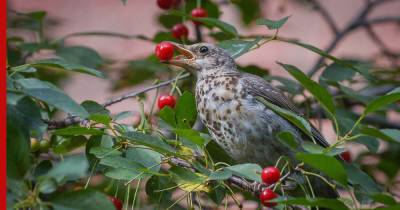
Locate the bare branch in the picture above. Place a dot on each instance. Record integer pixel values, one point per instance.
(379, 42)
(360, 20)
(325, 15)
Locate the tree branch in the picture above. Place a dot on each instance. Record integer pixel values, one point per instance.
(325, 15)
(255, 187)
(357, 22)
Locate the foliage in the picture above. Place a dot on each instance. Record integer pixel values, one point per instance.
(123, 154)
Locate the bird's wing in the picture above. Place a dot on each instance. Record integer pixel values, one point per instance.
(259, 87)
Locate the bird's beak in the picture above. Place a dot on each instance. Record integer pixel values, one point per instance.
(186, 60)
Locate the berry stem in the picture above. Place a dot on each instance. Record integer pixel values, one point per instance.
(198, 3)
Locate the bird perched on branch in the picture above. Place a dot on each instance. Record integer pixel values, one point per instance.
(229, 106)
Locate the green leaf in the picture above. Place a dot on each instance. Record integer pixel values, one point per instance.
(185, 110)
(321, 94)
(354, 95)
(300, 122)
(18, 189)
(249, 10)
(248, 170)
(337, 72)
(394, 134)
(218, 154)
(371, 143)
(150, 141)
(80, 55)
(47, 185)
(77, 131)
(93, 107)
(146, 157)
(272, 24)
(332, 204)
(124, 174)
(37, 15)
(123, 168)
(65, 65)
(71, 168)
(223, 26)
(18, 146)
(182, 175)
(358, 177)
(380, 102)
(102, 152)
(381, 134)
(42, 168)
(29, 113)
(168, 21)
(220, 175)
(101, 118)
(384, 199)
(237, 47)
(192, 135)
(326, 164)
(64, 145)
(153, 190)
(50, 94)
(168, 115)
(82, 200)
(312, 148)
(287, 138)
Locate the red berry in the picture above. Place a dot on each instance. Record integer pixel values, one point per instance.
(117, 203)
(267, 195)
(168, 4)
(164, 51)
(270, 175)
(166, 100)
(346, 156)
(199, 13)
(180, 31)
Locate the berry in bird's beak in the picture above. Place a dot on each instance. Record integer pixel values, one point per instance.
(164, 51)
(186, 59)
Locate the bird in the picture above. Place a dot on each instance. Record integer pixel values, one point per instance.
(227, 102)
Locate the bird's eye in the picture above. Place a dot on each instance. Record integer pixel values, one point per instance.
(203, 49)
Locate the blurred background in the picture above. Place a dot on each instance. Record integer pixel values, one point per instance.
(124, 59)
(139, 17)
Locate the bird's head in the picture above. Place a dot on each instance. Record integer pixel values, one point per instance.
(203, 59)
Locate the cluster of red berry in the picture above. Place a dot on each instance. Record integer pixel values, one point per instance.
(165, 50)
(180, 31)
(269, 175)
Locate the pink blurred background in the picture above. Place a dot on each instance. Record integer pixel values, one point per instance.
(139, 17)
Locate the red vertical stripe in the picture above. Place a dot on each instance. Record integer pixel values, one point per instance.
(3, 105)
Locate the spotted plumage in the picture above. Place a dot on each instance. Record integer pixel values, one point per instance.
(228, 106)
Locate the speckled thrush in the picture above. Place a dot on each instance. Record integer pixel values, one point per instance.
(228, 106)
